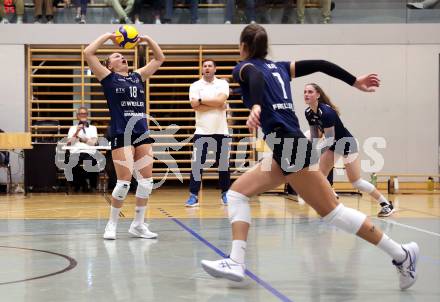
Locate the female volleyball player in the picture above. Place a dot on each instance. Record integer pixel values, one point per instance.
(266, 91)
(131, 146)
(323, 118)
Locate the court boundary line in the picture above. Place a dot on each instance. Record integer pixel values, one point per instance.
(251, 275)
(72, 264)
(390, 221)
(399, 209)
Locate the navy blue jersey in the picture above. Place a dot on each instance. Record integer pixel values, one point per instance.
(277, 109)
(125, 99)
(327, 117)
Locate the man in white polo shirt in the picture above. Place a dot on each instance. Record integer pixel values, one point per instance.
(81, 136)
(208, 98)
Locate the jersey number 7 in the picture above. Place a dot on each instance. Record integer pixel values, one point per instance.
(278, 76)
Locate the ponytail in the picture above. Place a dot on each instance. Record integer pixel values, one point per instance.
(255, 39)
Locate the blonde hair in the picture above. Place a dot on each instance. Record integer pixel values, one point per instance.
(323, 98)
(106, 62)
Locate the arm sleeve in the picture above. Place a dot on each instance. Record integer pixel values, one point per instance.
(255, 81)
(306, 67)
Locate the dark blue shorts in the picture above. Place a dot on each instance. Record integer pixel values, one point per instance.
(118, 141)
(345, 146)
(293, 153)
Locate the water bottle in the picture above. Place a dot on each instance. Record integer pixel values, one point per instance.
(396, 184)
(373, 179)
(430, 183)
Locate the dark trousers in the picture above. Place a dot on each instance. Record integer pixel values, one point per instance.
(80, 175)
(219, 145)
(156, 6)
(137, 7)
(194, 7)
(250, 10)
(83, 5)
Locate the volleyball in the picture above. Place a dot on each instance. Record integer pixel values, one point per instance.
(127, 36)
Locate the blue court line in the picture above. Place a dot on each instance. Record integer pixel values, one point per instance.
(219, 252)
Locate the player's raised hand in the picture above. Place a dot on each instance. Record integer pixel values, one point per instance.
(144, 38)
(112, 37)
(368, 82)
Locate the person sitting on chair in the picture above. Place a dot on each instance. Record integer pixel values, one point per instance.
(81, 136)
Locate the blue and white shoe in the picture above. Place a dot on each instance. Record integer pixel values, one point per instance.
(224, 199)
(225, 268)
(192, 201)
(407, 268)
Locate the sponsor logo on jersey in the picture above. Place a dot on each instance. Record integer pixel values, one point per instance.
(130, 113)
(135, 103)
(282, 106)
(135, 80)
(132, 104)
(271, 66)
(120, 90)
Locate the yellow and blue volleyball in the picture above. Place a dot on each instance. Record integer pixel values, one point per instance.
(127, 36)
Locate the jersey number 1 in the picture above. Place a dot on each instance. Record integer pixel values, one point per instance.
(133, 91)
(278, 76)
